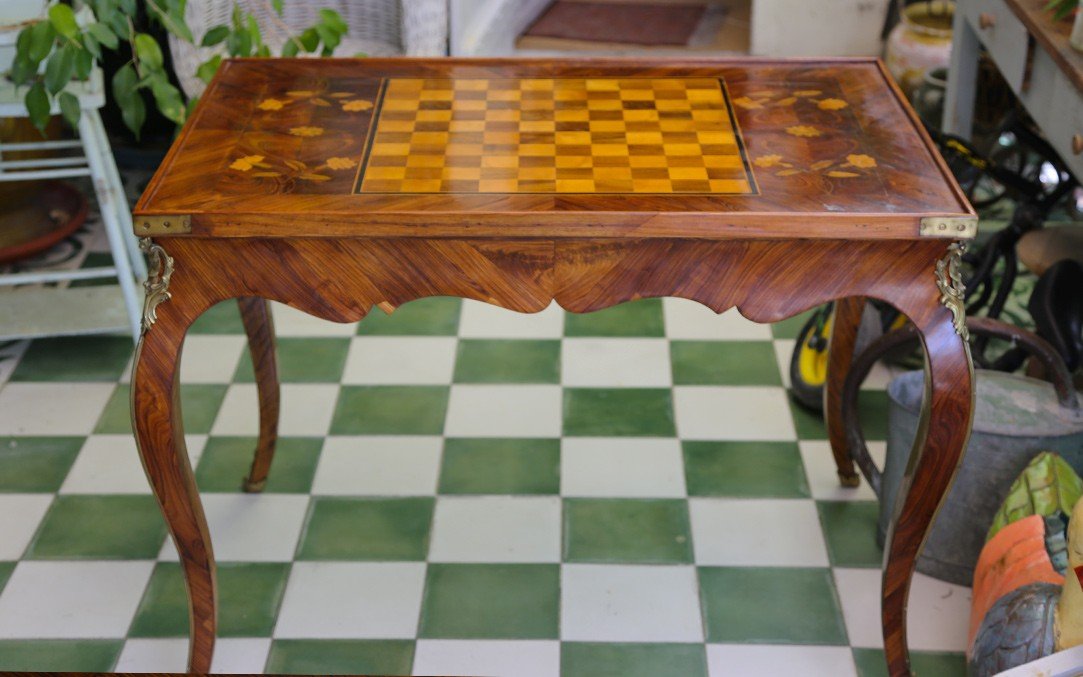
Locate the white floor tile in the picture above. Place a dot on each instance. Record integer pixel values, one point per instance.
(621, 467)
(496, 529)
(737, 660)
(72, 599)
(375, 600)
(691, 320)
(378, 466)
(783, 354)
(504, 411)
(155, 655)
(292, 322)
(240, 655)
(484, 320)
(410, 360)
(615, 362)
(939, 612)
(251, 527)
(823, 478)
(306, 410)
(20, 516)
(629, 603)
(757, 532)
(107, 464)
(52, 408)
(209, 358)
(493, 658)
(733, 413)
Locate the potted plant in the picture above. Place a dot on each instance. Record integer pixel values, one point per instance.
(69, 38)
(1062, 9)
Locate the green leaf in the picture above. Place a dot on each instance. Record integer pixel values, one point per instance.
(93, 48)
(329, 37)
(277, 4)
(253, 32)
(333, 20)
(42, 37)
(103, 34)
(60, 68)
(290, 48)
(84, 62)
(1047, 485)
(63, 20)
(128, 7)
(125, 83)
(168, 99)
(208, 68)
(69, 108)
(22, 70)
(215, 36)
(148, 51)
(37, 105)
(134, 115)
(239, 43)
(310, 40)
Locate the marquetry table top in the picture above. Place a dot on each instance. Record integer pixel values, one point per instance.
(448, 147)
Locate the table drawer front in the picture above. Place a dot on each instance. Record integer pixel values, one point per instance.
(1003, 35)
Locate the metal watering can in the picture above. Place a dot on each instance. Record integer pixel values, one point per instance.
(1015, 417)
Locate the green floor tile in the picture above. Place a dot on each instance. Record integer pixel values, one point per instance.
(390, 410)
(791, 327)
(626, 531)
(618, 411)
(872, 412)
(491, 601)
(75, 358)
(367, 529)
(635, 318)
(437, 316)
(199, 408)
(5, 573)
(850, 532)
(341, 657)
(226, 461)
(248, 598)
(36, 464)
(302, 360)
(54, 655)
(581, 659)
(512, 361)
(100, 527)
(871, 663)
(744, 469)
(500, 466)
(785, 605)
(739, 363)
(223, 318)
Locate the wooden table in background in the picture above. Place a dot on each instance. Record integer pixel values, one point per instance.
(339, 185)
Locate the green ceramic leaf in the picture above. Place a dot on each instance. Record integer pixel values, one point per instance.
(1047, 486)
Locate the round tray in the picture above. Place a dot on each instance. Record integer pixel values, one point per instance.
(54, 212)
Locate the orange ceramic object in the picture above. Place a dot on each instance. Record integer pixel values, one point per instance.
(1015, 557)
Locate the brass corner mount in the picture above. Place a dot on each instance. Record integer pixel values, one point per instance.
(953, 227)
(162, 224)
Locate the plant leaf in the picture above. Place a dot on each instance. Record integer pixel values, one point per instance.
(309, 39)
(92, 45)
(329, 37)
(37, 106)
(60, 68)
(277, 4)
(69, 108)
(42, 37)
(148, 51)
(208, 68)
(63, 20)
(103, 34)
(84, 61)
(290, 48)
(215, 36)
(126, 93)
(333, 20)
(168, 99)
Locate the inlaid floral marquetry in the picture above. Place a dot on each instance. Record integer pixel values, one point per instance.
(556, 135)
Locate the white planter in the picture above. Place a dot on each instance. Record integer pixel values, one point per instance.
(13, 17)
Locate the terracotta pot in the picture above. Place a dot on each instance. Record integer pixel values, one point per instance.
(920, 42)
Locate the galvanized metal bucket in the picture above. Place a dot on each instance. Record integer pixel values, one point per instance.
(1015, 417)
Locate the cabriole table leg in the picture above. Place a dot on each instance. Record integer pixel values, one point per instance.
(840, 354)
(256, 316)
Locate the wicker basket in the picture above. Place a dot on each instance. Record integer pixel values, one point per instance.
(377, 28)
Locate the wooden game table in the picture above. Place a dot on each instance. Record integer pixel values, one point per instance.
(338, 185)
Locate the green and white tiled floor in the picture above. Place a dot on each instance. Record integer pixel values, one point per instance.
(459, 490)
